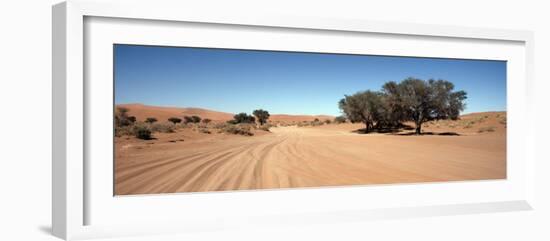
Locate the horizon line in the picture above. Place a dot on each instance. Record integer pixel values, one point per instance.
(208, 109)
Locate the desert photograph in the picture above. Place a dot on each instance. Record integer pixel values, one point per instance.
(189, 119)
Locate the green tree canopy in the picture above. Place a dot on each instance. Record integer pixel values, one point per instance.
(261, 115)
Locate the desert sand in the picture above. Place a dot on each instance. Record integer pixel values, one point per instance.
(472, 148)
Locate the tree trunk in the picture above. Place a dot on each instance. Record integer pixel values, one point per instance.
(418, 130)
(367, 127)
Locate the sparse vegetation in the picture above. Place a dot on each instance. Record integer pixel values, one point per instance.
(151, 120)
(206, 121)
(187, 119)
(122, 118)
(174, 120)
(196, 119)
(486, 129)
(204, 130)
(239, 129)
(163, 127)
(340, 119)
(265, 127)
(142, 131)
(242, 118)
(261, 116)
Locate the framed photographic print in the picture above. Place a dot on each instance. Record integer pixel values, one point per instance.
(178, 121)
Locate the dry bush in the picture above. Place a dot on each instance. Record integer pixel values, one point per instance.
(204, 130)
(221, 125)
(165, 127)
(486, 129)
(239, 129)
(142, 131)
(316, 122)
(123, 131)
(265, 127)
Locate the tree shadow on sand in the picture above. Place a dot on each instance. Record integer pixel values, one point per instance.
(429, 133)
(400, 131)
(384, 130)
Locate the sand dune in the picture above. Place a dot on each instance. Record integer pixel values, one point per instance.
(329, 155)
(141, 112)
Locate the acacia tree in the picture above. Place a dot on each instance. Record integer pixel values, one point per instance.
(174, 120)
(188, 119)
(243, 118)
(151, 120)
(366, 106)
(261, 115)
(196, 119)
(421, 101)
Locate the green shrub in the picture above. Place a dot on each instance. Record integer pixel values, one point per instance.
(151, 120)
(340, 119)
(174, 120)
(206, 121)
(142, 132)
(196, 119)
(243, 118)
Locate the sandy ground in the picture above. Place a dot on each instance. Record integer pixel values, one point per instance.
(287, 157)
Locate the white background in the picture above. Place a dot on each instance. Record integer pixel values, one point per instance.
(25, 107)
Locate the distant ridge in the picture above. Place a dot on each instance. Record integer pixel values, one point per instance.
(142, 111)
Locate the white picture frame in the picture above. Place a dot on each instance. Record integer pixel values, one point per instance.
(78, 195)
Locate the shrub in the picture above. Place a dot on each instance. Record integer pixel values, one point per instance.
(142, 132)
(151, 120)
(196, 119)
(204, 130)
(232, 122)
(132, 119)
(243, 118)
(123, 131)
(316, 123)
(244, 130)
(122, 118)
(206, 121)
(163, 127)
(486, 129)
(265, 127)
(187, 119)
(174, 120)
(340, 119)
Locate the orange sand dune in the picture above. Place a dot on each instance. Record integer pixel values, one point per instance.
(141, 112)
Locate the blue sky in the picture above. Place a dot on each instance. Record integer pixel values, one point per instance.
(286, 82)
